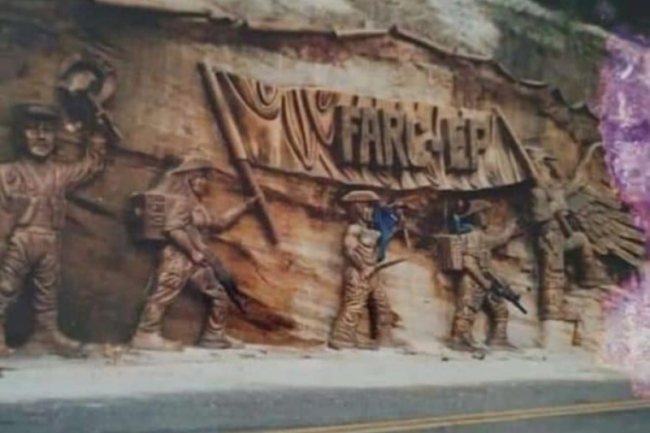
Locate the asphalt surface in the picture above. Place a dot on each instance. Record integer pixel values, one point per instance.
(392, 409)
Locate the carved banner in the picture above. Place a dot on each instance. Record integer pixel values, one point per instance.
(363, 140)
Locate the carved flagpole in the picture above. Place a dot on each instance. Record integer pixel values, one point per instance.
(235, 145)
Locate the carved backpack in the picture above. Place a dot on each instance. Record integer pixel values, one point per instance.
(147, 215)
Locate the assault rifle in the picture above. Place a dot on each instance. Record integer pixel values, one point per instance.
(226, 279)
(502, 290)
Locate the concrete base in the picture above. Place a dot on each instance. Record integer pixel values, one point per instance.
(122, 391)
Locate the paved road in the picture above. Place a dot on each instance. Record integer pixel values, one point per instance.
(576, 407)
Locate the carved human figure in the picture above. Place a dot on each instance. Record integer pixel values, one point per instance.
(185, 260)
(361, 286)
(476, 279)
(556, 237)
(32, 200)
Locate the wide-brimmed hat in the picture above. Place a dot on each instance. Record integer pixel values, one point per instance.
(193, 164)
(360, 196)
(540, 153)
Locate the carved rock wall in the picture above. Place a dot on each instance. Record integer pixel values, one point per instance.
(162, 110)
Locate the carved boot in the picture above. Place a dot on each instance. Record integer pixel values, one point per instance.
(154, 341)
(461, 336)
(48, 338)
(149, 333)
(213, 340)
(499, 337)
(386, 338)
(4, 349)
(338, 342)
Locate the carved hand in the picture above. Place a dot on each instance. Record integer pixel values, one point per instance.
(198, 258)
(98, 140)
(252, 202)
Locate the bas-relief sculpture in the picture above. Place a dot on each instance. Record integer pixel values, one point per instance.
(174, 213)
(363, 250)
(33, 193)
(466, 255)
(388, 147)
(32, 197)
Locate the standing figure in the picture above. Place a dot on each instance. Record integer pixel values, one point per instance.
(555, 237)
(32, 202)
(361, 286)
(186, 259)
(478, 288)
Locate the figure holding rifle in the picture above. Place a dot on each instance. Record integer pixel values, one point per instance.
(466, 256)
(183, 225)
(363, 252)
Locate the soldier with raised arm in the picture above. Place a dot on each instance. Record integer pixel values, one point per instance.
(185, 259)
(478, 288)
(32, 202)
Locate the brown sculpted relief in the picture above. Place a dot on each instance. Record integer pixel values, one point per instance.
(175, 213)
(575, 224)
(292, 151)
(362, 288)
(465, 255)
(383, 139)
(32, 197)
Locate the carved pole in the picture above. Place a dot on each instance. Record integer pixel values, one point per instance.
(235, 145)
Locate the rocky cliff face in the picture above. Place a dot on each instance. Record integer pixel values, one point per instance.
(458, 54)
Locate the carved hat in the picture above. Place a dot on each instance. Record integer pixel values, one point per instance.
(475, 207)
(193, 163)
(361, 195)
(539, 153)
(36, 111)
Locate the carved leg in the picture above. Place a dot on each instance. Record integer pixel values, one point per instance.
(498, 335)
(593, 274)
(47, 276)
(380, 303)
(148, 336)
(470, 299)
(13, 269)
(214, 334)
(552, 290)
(344, 333)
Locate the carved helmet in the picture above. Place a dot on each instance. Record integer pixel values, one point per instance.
(193, 163)
(360, 196)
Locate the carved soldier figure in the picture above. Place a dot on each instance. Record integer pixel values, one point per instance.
(478, 287)
(361, 286)
(186, 259)
(555, 238)
(32, 202)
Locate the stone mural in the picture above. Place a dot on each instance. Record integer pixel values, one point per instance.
(358, 217)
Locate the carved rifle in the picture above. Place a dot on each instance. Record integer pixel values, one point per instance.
(502, 290)
(382, 266)
(226, 279)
